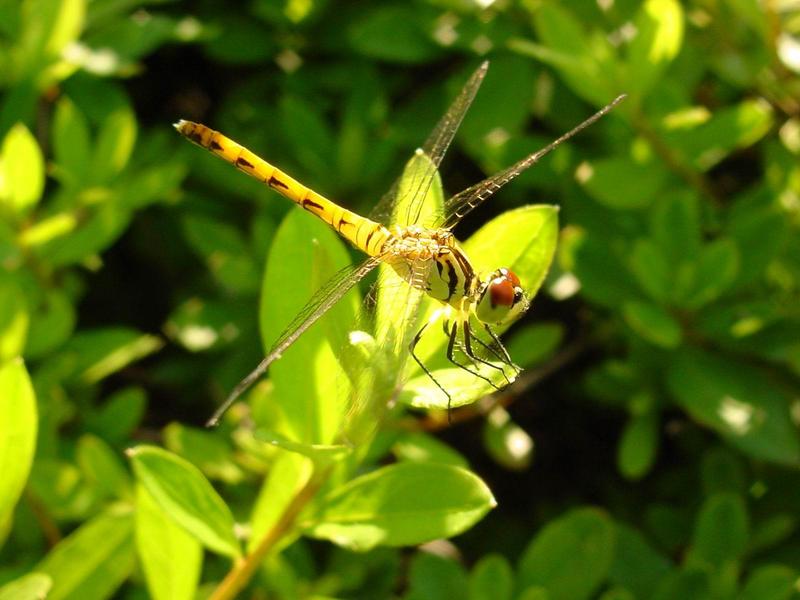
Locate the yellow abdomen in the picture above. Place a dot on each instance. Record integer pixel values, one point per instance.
(365, 234)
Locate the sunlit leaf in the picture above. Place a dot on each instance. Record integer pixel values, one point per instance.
(22, 173)
(94, 560)
(33, 586)
(114, 145)
(14, 319)
(18, 426)
(392, 506)
(171, 558)
(305, 254)
(659, 34)
(181, 491)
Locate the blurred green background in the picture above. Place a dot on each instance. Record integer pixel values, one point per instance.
(654, 450)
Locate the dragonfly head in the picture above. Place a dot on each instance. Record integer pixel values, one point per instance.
(500, 298)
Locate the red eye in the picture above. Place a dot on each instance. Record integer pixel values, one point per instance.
(512, 276)
(501, 292)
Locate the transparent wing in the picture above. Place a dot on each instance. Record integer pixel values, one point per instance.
(462, 203)
(322, 301)
(434, 147)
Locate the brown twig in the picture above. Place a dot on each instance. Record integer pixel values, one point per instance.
(241, 573)
(526, 381)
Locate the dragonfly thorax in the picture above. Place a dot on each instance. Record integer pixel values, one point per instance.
(431, 260)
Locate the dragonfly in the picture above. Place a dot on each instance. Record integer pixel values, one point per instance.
(421, 251)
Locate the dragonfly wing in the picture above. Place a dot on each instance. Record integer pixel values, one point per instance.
(434, 147)
(323, 300)
(462, 203)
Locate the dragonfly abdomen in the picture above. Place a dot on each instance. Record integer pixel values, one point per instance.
(365, 234)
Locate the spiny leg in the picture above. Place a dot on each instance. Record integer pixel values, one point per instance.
(468, 336)
(506, 356)
(451, 345)
(425, 369)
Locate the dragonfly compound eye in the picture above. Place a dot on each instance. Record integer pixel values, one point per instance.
(500, 296)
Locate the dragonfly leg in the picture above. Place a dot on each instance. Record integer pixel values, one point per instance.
(425, 369)
(468, 337)
(450, 356)
(506, 357)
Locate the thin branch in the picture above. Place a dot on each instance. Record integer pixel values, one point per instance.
(527, 380)
(242, 572)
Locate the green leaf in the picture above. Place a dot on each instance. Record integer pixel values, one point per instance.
(22, 173)
(18, 427)
(637, 565)
(675, 228)
(52, 323)
(581, 542)
(119, 415)
(684, 584)
(717, 268)
(721, 531)
(93, 235)
(305, 254)
(14, 319)
(100, 352)
(652, 323)
(622, 183)
(599, 283)
(182, 492)
(308, 135)
(738, 401)
(114, 145)
(102, 468)
(205, 449)
(533, 344)
(422, 447)
(33, 586)
(432, 577)
(393, 506)
(225, 251)
(171, 558)
(71, 143)
(584, 62)
(652, 270)
(727, 130)
(394, 33)
(491, 579)
(770, 582)
(94, 560)
(638, 446)
(659, 34)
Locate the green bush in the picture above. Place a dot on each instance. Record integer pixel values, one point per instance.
(649, 450)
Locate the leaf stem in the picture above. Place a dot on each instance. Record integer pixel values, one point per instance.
(243, 570)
